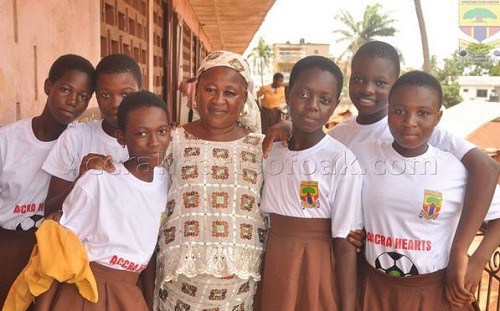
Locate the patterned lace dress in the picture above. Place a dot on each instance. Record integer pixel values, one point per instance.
(212, 240)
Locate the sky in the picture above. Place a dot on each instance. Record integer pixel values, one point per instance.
(314, 20)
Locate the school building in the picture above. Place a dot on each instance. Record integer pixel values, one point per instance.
(168, 38)
(287, 54)
(479, 87)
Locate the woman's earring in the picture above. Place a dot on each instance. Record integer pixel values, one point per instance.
(194, 104)
(243, 111)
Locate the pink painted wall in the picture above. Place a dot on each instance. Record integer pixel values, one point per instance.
(51, 28)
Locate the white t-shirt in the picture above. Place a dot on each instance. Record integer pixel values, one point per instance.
(75, 143)
(23, 183)
(411, 207)
(117, 216)
(350, 132)
(323, 181)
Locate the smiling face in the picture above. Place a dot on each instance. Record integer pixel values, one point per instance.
(369, 86)
(68, 96)
(221, 93)
(413, 115)
(111, 88)
(146, 135)
(312, 100)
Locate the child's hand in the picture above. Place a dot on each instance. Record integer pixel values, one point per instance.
(473, 275)
(93, 161)
(279, 132)
(357, 238)
(55, 216)
(456, 293)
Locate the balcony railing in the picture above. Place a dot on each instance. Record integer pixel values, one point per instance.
(488, 291)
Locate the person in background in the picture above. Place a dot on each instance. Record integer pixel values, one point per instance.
(187, 88)
(272, 102)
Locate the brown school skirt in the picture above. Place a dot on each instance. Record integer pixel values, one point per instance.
(15, 250)
(117, 289)
(299, 266)
(383, 292)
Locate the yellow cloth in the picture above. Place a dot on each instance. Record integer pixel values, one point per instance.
(58, 254)
(272, 98)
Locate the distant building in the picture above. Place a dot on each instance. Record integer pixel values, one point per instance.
(287, 54)
(479, 87)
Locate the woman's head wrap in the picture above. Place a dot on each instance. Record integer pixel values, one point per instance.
(250, 116)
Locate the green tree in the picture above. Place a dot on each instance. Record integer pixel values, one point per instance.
(261, 56)
(474, 60)
(451, 94)
(495, 70)
(453, 68)
(477, 59)
(374, 24)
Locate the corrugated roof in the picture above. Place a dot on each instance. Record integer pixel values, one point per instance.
(229, 24)
(487, 136)
(466, 117)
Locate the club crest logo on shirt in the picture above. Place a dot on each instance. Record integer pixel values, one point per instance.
(309, 194)
(432, 204)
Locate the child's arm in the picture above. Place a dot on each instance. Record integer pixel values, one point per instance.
(357, 238)
(60, 188)
(345, 272)
(148, 281)
(482, 177)
(279, 132)
(44, 301)
(260, 92)
(58, 191)
(482, 255)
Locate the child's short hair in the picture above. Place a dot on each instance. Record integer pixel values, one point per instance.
(118, 63)
(419, 79)
(278, 75)
(321, 62)
(138, 100)
(71, 62)
(379, 49)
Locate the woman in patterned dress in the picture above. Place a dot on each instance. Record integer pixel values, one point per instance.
(211, 242)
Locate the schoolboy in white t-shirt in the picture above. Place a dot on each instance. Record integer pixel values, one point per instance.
(24, 146)
(412, 197)
(117, 215)
(117, 76)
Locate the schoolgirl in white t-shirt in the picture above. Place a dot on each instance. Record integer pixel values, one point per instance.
(312, 196)
(117, 215)
(412, 203)
(24, 146)
(117, 76)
